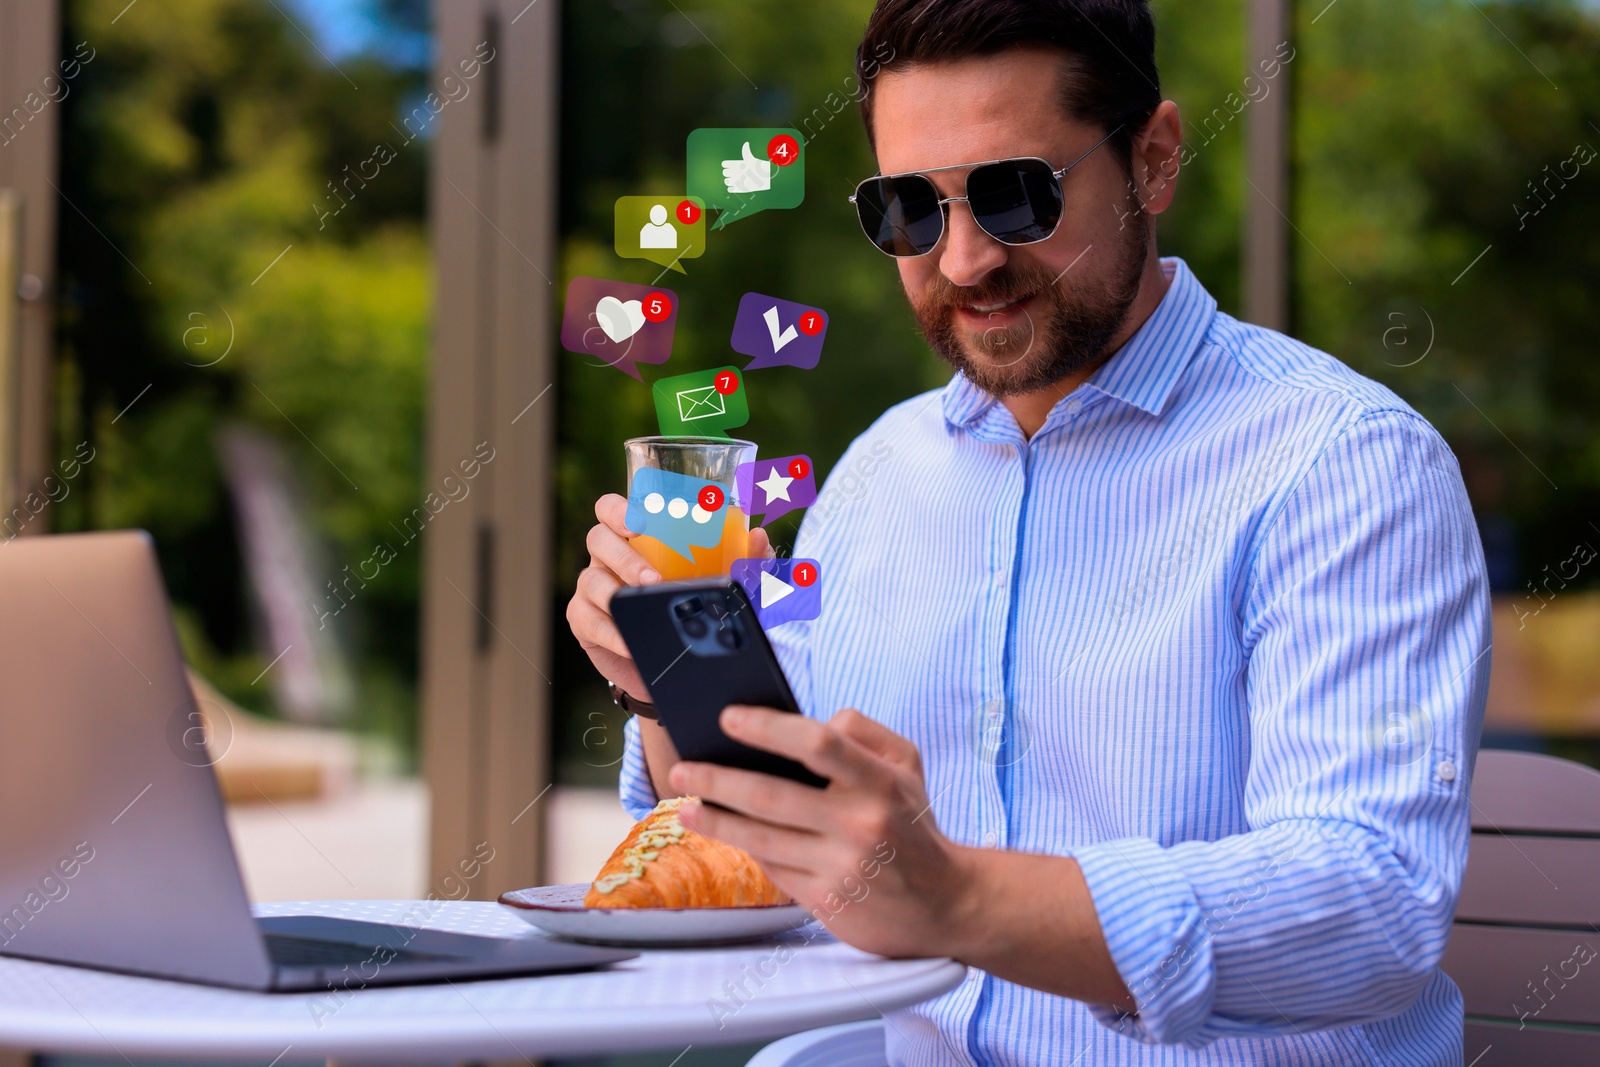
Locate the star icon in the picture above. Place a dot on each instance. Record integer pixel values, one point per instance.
(775, 485)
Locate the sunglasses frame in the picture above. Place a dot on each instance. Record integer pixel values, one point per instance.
(945, 202)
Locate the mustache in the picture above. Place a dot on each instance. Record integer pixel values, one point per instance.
(1000, 287)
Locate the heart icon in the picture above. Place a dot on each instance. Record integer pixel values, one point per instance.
(619, 319)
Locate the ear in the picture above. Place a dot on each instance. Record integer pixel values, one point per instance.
(1157, 151)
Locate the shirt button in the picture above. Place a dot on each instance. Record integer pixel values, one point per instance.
(990, 839)
(1446, 771)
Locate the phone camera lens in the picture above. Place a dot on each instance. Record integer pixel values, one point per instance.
(686, 608)
(695, 627)
(728, 639)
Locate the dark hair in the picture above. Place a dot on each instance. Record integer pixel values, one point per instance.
(1109, 48)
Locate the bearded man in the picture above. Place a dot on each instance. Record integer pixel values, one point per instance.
(1155, 645)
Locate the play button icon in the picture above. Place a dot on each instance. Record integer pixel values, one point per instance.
(780, 590)
(773, 589)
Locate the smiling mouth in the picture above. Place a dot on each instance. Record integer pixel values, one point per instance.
(989, 309)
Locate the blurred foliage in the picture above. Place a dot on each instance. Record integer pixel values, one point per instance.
(1416, 128)
(1421, 127)
(198, 148)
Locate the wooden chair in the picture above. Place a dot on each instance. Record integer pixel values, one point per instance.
(1525, 948)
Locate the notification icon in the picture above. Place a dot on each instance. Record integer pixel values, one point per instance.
(744, 170)
(679, 511)
(778, 333)
(618, 323)
(782, 590)
(772, 488)
(704, 403)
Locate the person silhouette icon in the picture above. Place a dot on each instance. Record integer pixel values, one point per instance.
(658, 232)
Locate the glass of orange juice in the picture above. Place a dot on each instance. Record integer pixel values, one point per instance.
(713, 459)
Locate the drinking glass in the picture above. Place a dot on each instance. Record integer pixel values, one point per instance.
(713, 459)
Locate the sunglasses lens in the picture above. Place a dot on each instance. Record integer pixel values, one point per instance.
(1016, 201)
(901, 215)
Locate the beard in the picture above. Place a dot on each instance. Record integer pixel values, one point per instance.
(1071, 327)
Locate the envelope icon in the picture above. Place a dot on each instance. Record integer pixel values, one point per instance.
(701, 403)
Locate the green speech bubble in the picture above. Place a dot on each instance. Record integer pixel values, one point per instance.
(662, 229)
(703, 403)
(741, 171)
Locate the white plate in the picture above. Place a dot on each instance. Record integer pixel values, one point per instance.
(558, 909)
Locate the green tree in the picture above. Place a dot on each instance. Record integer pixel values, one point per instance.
(201, 149)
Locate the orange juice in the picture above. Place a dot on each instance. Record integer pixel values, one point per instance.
(707, 562)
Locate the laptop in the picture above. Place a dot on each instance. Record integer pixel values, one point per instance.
(114, 852)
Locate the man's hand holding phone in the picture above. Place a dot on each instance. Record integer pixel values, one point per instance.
(864, 855)
(613, 564)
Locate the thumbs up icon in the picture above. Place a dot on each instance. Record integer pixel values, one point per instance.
(747, 174)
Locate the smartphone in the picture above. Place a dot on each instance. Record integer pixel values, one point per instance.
(699, 648)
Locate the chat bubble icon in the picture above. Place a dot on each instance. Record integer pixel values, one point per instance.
(619, 323)
(778, 333)
(782, 590)
(662, 229)
(743, 170)
(704, 403)
(679, 511)
(774, 487)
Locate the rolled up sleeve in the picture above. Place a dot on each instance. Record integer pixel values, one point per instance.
(1365, 621)
(633, 783)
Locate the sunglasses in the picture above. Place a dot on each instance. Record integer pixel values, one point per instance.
(1015, 201)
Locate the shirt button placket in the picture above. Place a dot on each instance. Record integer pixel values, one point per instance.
(991, 720)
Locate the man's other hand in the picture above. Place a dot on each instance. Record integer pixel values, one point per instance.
(863, 855)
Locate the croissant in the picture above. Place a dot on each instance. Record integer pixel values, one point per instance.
(663, 864)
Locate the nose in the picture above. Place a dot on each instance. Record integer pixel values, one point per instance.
(968, 254)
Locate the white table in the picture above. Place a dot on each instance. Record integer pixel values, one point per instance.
(665, 999)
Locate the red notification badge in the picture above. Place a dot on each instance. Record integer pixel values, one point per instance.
(657, 307)
(783, 150)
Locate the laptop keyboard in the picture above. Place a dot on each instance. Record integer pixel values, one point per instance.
(288, 951)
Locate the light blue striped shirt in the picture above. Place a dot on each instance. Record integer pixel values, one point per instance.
(1219, 631)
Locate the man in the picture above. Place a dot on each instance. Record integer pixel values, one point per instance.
(1161, 639)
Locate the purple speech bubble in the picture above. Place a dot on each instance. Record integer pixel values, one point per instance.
(781, 590)
(619, 323)
(772, 488)
(778, 333)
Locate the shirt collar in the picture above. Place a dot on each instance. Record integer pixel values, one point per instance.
(1144, 371)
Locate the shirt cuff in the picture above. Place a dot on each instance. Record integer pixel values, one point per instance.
(1152, 925)
(638, 793)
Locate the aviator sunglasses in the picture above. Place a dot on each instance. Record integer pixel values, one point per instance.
(1015, 201)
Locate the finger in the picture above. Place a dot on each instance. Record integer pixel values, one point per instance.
(878, 739)
(821, 749)
(760, 796)
(610, 550)
(612, 510)
(760, 544)
(592, 626)
(780, 846)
